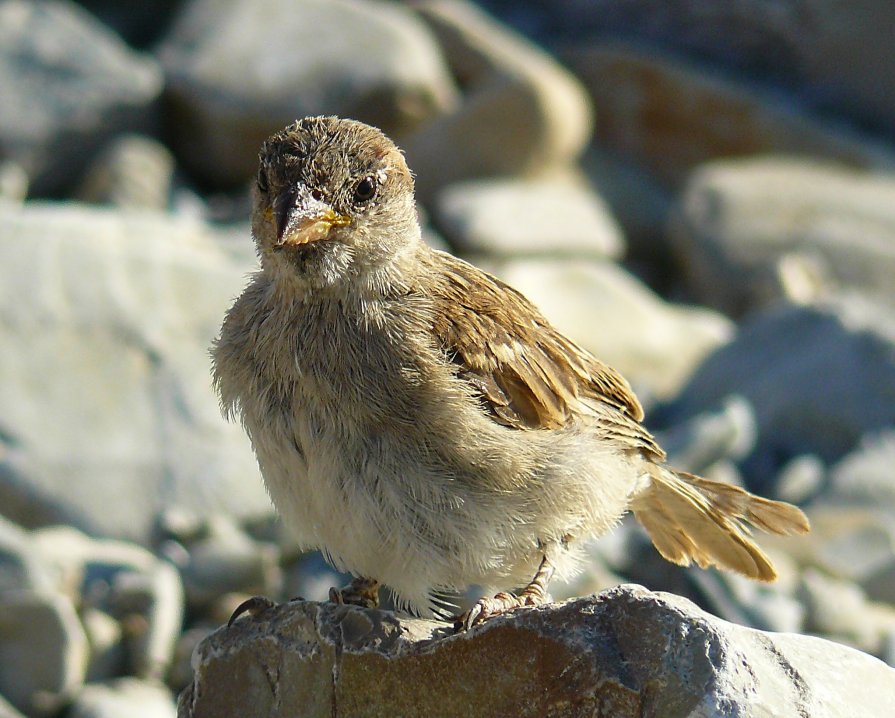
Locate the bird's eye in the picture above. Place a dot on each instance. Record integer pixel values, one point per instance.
(317, 195)
(262, 181)
(365, 190)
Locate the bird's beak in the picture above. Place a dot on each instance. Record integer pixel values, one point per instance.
(303, 220)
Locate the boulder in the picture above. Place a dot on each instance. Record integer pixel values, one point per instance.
(108, 413)
(239, 70)
(69, 85)
(626, 652)
(748, 233)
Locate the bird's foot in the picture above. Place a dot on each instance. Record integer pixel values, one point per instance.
(534, 594)
(360, 592)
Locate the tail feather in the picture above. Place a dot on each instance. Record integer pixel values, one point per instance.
(691, 519)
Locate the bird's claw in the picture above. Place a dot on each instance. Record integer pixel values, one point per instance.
(254, 606)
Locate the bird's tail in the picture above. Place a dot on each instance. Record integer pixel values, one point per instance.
(691, 519)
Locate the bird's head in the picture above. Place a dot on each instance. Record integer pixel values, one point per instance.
(333, 203)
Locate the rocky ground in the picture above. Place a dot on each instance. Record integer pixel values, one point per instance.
(702, 194)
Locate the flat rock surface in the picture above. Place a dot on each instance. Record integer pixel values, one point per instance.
(626, 652)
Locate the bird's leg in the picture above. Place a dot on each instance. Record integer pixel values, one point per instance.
(534, 594)
(360, 592)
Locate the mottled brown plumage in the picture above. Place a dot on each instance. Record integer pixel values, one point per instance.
(419, 420)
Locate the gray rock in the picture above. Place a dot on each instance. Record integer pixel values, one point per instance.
(798, 368)
(132, 172)
(7, 710)
(656, 345)
(109, 415)
(672, 116)
(864, 477)
(239, 70)
(13, 181)
(627, 652)
(105, 636)
(840, 610)
(227, 560)
(123, 697)
(180, 674)
(749, 233)
(127, 582)
(637, 200)
(43, 651)
(554, 215)
(68, 85)
(21, 567)
(836, 57)
(521, 112)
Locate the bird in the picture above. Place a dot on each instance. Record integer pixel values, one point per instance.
(421, 422)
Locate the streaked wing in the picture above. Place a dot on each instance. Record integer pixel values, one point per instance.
(528, 375)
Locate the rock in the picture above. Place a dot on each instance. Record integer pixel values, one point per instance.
(521, 112)
(748, 233)
(123, 697)
(831, 56)
(21, 567)
(13, 182)
(181, 673)
(104, 634)
(637, 200)
(7, 710)
(545, 216)
(627, 652)
(795, 365)
(109, 415)
(864, 477)
(840, 610)
(226, 560)
(597, 304)
(708, 438)
(239, 70)
(133, 172)
(126, 581)
(672, 116)
(43, 651)
(68, 85)
(140, 24)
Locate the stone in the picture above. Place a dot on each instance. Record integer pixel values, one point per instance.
(21, 567)
(105, 636)
(544, 216)
(132, 172)
(831, 56)
(126, 581)
(43, 651)
(109, 416)
(795, 366)
(123, 697)
(637, 201)
(69, 84)
(238, 70)
(226, 560)
(672, 116)
(609, 312)
(521, 112)
(626, 652)
(13, 181)
(840, 609)
(749, 233)
(864, 476)
(7, 710)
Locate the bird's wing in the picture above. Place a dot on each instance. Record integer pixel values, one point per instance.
(528, 375)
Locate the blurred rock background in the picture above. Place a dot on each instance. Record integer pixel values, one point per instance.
(701, 193)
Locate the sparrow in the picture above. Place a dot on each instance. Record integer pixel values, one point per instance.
(419, 421)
